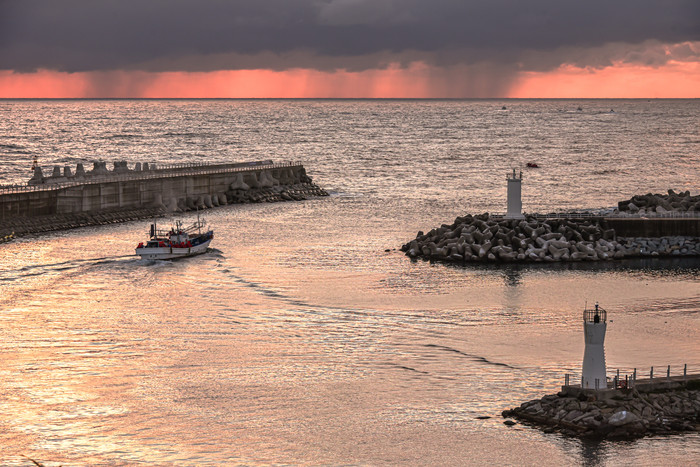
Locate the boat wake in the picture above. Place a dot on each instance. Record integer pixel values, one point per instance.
(477, 358)
(9, 275)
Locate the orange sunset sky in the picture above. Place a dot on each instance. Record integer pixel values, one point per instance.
(678, 80)
(348, 49)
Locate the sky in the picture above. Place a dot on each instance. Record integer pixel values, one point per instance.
(349, 48)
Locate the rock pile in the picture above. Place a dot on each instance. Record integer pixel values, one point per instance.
(484, 239)
(660, 204)
(630, 414)
(662, 246)
(295, 192)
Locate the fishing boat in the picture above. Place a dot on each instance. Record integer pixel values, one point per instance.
(178, 242)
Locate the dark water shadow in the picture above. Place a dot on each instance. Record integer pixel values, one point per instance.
(688, 266)
(592, 452)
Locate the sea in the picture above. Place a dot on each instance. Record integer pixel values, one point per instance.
(305, 336)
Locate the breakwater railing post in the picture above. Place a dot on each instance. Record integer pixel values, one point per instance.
(685, 372)
(668, 373)
(651, 375)
(566, 379)
(634, 377)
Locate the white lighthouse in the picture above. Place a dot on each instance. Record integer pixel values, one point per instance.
(515, 204)
(594, 325)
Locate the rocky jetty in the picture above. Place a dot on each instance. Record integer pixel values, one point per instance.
(660, 204)
(296, 192)
(249, 188)
(482, 238)
(627, 414)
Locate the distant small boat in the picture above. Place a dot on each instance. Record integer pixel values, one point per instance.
(504, 108)
(533, 165)
(579, 109)
(177, 243)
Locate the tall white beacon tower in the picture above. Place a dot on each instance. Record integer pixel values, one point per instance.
(594, 325)
(515, 204)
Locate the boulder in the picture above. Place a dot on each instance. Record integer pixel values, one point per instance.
(483, 251)
(182, 204)
(622, 418)
(239, 184)
(266, 180)
(172, 205)
(251, 179)
(557, 253)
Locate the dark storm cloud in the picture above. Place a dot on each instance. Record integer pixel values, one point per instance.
(170, 35)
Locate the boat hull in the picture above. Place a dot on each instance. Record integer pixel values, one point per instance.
(172, 252)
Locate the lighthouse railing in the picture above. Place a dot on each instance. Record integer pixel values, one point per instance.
(628, 380)
(589, 315)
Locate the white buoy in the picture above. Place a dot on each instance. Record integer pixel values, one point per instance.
(594, 325)
(515, 204)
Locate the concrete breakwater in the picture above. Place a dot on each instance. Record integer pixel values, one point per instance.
(660, 204)
(482, 238)
(65, 200)
(616, 414)
(32, 225)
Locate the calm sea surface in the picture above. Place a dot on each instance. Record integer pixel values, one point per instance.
(298, 339)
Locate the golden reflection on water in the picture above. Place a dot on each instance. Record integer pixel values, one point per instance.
(298, 339)
(251, 354)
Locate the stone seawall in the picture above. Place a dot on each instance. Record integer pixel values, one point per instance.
(482, 238)
(645, 225)
(64, 202)
(616, 414)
